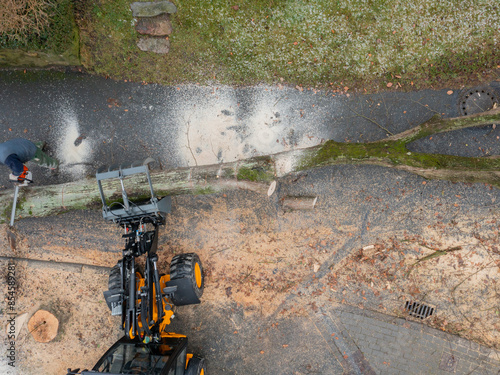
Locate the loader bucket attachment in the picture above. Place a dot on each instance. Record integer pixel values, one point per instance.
(123, 210)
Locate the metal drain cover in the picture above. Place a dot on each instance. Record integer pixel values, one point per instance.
(476, 100)
(418, 309)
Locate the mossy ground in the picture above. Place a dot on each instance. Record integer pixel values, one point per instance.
(316, 43)
(58, 43)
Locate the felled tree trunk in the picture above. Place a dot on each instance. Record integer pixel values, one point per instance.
(392, 152)
(256, 174)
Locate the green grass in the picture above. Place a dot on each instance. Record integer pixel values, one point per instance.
(315, 42)
(60, 36)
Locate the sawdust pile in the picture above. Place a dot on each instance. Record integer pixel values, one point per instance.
(249, 260)
(74, 149)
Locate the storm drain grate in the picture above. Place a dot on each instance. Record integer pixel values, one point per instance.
(476, 100)
(418, 310)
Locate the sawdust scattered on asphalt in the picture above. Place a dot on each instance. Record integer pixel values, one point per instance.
(270, 262)
(458, 279)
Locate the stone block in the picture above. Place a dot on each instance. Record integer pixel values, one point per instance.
(461, 349)
(494, 355)
(154, 44)
(380, 336)
(155, 26)
(474, 346)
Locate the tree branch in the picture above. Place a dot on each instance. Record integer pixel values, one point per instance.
(438, 125)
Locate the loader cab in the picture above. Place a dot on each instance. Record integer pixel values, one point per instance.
(167, 357)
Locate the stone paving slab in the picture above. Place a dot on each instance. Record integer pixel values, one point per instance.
(397, 346)
(342, 344)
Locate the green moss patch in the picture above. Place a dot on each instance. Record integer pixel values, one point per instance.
(393, 153)
(254, 174)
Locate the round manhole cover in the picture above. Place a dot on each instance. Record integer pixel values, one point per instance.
(476, 100)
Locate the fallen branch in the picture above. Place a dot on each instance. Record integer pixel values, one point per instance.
(392, 152)
(371, 120)
(435, 254)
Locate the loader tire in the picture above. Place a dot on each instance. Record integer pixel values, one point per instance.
(186, 273)
(114, 281)
(196, 366)
(115, 277)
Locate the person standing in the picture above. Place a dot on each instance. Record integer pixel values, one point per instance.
(15, 152)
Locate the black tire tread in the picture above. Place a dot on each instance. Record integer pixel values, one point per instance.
(182, 271)
(181, 265)
(115, 276)
(195, 365)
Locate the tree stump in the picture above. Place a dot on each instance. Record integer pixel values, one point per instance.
(43, 326)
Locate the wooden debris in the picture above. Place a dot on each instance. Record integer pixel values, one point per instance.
(299, 203)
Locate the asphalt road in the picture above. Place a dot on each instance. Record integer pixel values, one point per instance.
(114, 122)
(90, 121)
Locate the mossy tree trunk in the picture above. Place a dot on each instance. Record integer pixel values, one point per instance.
(392, 152)
(255, 174)
(38, 201)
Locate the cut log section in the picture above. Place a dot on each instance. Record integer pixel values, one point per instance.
(43, 326)
(299, 203)
(271, 189)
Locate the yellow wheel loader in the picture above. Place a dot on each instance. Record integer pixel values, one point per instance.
(145, 300)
